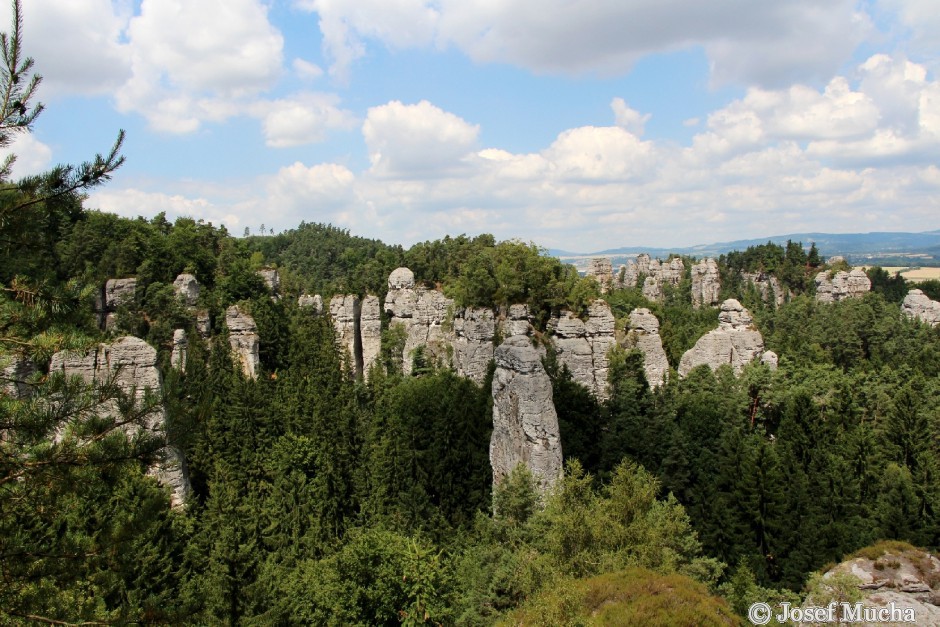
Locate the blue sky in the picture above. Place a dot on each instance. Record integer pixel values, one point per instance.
(575, 124)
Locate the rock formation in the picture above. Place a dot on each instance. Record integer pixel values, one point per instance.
(767, 285)
(131, 364)
(370, 332)
(243, 338)
(918, 306)
(422, 313)
(842, 285)
(644, 336)
(600, 269)
(474, 328)
(904, 579)
(15, 372)
(583, 345)
(180, 348)
(345, 311)
(769, 359)
(119, 292)
(203, 324)
(735, 342)
(657, 273)
(525, 424)
(516, 321)
(116, 292)
(315, 302)
(706, 283)
(187, 289)
(271, 278)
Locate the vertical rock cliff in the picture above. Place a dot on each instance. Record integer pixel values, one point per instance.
(131, 364)
(735, 342)
(644, 336)
(525, 424)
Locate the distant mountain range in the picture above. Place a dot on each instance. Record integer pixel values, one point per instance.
(884, 249)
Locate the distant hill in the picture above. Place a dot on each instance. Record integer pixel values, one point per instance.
(881, 248)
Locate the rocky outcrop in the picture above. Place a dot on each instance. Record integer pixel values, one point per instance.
(658, 274)
(119, 292)
(583, 345)
(131, 364)
(770, 359)
(600, 269)
(116, 292)
(516, 321)
(841, 286)
(180, 348)
(271, 279)
(370, 332)
(735, 342)
(203, 324)
(706, 283)
(422, 313)
(243, 338)
(903, 578)
(525, 424)
(644, 336)
(918, 306)
(315, 302)
(15, 372)
(767, 285)
(345, 311)
(474, 328)
(187, 289)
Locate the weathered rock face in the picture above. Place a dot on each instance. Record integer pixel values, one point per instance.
(119, 292)
(842, 285)
(271, 278)
(706, 283)
(525, 424)
(345, 312)
(15, 372)
(770, 359)
(243, 338)
(315, 302)
(644, 336)
(422, 313)
(918, 306)
(131, 364)
(116, 292)
(370, 331)
(600, 268)
(516, 321)
(187, 289)
(767, 285)
(735, 342)
(900, 578)
(180, 348)
(203, 324)
(583, 345)
(474, 328)
(658, 274)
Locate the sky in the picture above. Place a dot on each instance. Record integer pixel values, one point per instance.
(576, 124)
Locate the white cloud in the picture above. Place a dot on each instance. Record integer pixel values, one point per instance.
(417, 140)
(845, 157)
(198, 60)
(76, 45)
(627, 118)
(32, 156)
(301, 119)
(768, 43)
(306, 70)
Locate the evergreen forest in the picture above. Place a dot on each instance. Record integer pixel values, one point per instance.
(319, 497)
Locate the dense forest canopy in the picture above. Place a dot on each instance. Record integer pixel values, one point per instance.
(319, 497)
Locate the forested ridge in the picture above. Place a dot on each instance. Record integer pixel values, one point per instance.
(319, 497)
